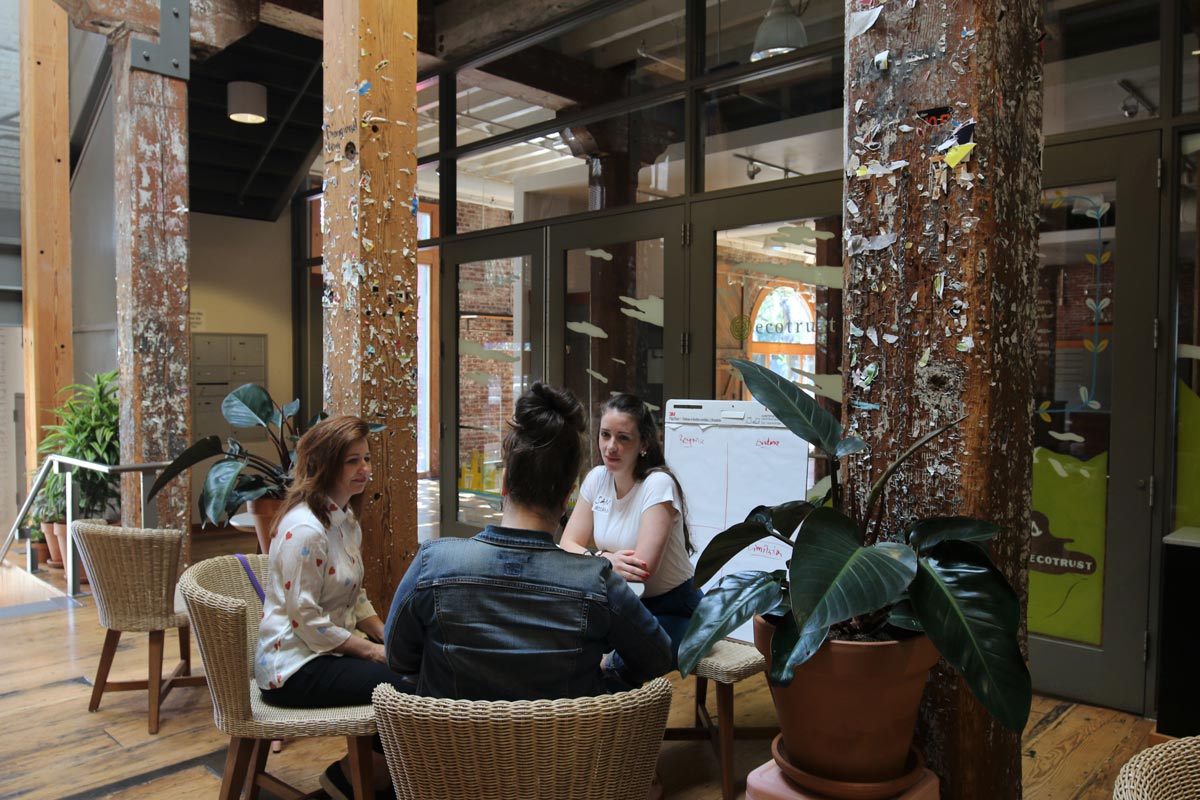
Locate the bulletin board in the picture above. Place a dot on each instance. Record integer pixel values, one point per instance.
(731, 456)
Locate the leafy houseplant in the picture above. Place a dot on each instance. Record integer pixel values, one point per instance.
(863, 578)
(88, 429)
(240, 476)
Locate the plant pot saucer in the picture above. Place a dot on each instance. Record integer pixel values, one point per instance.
(850, 790)
(52, 563)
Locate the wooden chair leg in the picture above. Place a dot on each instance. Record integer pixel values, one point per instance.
(258, 765)
(701, 699)
(106, 659)
(362, 771)
(237, 760)
(157, 639)
(725, 737)
(185, 648)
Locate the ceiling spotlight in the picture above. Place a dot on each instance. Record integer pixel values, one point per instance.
(246, 102)
(752, 169)
(1135, 100)
(781, 31)
(1130, 107)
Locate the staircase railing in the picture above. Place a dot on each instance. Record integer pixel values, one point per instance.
(66, 466)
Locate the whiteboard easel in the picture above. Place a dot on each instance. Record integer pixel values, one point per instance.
(731, 456)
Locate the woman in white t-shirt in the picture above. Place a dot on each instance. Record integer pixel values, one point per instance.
(632, 508)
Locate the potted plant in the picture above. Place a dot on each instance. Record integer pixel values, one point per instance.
(859, 593)
(40, 522)
(240, 476)
(38, 541)
(88, 429)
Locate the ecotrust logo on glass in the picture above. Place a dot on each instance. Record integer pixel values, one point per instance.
(739, 327)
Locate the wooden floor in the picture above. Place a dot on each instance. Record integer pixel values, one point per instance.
(52, 748)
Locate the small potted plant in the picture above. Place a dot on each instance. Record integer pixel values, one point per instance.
(240, 477)
(863, 609)
(38, 541)
(88, 429)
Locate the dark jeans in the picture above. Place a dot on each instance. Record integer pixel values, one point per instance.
(673, 609)
(335, 681)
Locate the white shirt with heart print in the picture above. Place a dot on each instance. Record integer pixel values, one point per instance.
(314, 596)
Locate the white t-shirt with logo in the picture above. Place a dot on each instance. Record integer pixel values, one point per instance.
(616, 522)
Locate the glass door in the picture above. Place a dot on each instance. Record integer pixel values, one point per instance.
(768, 288)
(617, 294)
(492, 345)
(1095, 409)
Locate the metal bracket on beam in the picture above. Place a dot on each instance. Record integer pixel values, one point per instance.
(171, 54)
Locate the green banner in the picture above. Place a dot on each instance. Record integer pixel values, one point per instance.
(1066, 549)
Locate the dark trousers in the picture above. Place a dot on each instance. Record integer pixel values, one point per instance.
(335, 681)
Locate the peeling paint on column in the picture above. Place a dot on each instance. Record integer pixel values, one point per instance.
(153, 345)
(370, 274)
(942, 178)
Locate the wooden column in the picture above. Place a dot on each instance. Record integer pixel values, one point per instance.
(370, 243)
(45, 216)
(941, 253)
(153, 345)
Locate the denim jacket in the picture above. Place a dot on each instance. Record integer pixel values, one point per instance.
(507, 615)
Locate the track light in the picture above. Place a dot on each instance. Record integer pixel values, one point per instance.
(752, 169)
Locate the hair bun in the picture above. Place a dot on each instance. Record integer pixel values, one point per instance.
(544, 412)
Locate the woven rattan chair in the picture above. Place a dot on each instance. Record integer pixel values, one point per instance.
(598, 748)
(1167, 771)
(225, 612)
(726, 664)
(133, 573)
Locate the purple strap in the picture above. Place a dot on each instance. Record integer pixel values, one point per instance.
(250, 574)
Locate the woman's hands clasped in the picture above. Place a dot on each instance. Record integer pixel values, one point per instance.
(629, 566)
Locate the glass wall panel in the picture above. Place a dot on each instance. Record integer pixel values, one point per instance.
(632, 158)
(493, 365)
(617, 56)
(779, 304)
(1076, 325)
(614, 327)
(428, 192)
(741, 31)
(1187, 364)
(427, 117)
(779, 126)
(1101, 63)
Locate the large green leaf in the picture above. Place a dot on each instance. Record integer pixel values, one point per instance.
(206, 448)
(724, 546)
(903, 616)
(833, 577)
(221, 480)
(792, 405)
(931, 532)
(789, 649)
(737, 598)
(971, 614)
(248, 406)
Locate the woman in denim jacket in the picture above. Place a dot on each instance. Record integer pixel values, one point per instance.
(632, 508)
(507, 615)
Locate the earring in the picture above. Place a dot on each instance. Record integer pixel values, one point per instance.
(643, 454)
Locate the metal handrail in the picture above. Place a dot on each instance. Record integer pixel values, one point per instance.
(66, 465)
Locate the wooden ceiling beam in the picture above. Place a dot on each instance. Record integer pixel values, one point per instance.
(215, 24)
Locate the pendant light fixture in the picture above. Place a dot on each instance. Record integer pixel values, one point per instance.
(781, 31)
(246, 102)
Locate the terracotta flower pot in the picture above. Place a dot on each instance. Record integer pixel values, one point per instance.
(850, 712)
(41, 552)
(263, 509)
(56, 559)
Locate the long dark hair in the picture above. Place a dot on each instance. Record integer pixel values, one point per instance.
(543, 448)
(319, 457)
(654, 460)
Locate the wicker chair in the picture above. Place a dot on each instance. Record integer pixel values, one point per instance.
(225, 611)
(133, 573)
(1167, 771)
(599, 748)
(727, 663)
